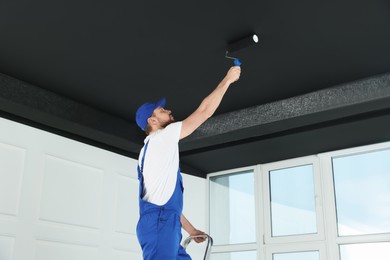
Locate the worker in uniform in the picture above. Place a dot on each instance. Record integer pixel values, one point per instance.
(161, 186)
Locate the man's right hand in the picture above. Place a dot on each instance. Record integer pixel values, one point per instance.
(233, 74)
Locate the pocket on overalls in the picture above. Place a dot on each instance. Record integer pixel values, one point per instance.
(169, 235)
(147, 226)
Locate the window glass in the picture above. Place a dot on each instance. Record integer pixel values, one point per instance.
(247, 255)
(293, 210)
(377, 251)
(315, 255)
(362, 192)
(232, 209)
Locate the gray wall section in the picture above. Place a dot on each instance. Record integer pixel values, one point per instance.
(343, 101)
(329, 114)
(292, 144)
(60, 113)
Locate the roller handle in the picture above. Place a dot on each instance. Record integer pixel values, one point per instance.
(237, 62)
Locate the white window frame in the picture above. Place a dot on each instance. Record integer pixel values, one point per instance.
(270, 250)
(326, 240)
(265, 169)
(244, 246)
(334, 241)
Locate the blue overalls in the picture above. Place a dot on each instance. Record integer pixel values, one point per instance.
(159, 227)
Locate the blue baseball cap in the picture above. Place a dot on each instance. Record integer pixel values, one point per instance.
(145, 111)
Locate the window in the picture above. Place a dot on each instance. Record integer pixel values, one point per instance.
(362, 191)
(292, 201)
(332, 206)
(232, 208)
(297, 256)
(247, 255)
(293, 210)
(377, 251)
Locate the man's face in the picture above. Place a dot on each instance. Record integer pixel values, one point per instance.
(163, 116)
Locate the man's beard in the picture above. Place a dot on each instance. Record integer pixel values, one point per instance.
(168, 122)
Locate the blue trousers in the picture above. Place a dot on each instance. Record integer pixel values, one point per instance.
(159, 234)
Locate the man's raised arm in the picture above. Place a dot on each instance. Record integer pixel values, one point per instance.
(209, 104)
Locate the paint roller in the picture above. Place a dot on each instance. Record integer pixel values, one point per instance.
(240, 44)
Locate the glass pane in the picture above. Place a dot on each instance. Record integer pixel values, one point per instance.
(232, 209)
(375, 251)
(362, 187)
(247, 255)
(293, 206)
(315, 255)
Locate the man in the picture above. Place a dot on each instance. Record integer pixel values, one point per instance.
(161, 190)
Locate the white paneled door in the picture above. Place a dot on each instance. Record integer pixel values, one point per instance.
(64, 200)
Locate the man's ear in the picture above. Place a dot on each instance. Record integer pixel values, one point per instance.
(152, 121)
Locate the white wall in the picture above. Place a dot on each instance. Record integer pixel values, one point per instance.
(61, 199)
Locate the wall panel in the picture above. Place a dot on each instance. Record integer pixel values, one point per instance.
(61, 199)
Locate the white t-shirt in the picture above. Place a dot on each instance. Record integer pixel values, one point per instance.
(161, 164)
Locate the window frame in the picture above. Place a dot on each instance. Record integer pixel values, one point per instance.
(243, 246)
(334, 240)
(296, 248)
(265, 169)
(326, 240)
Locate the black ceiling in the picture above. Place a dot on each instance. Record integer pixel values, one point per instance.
(108, 57)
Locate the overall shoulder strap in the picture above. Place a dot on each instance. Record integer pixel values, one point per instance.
(140, 170)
